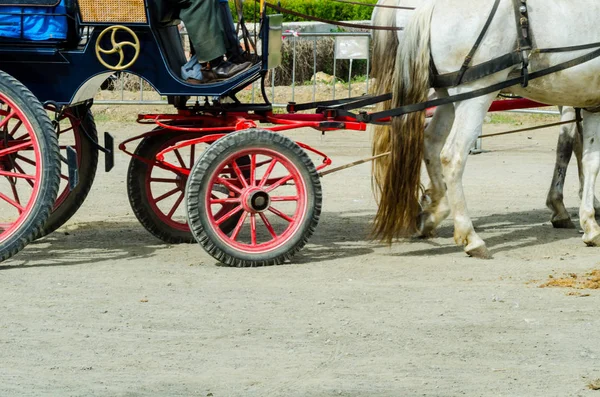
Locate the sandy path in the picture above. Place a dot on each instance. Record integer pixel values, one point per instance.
(349, 317)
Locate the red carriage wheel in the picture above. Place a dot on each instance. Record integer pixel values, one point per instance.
(277, 204)
(29, 166)
(72, 126)
(156, 194)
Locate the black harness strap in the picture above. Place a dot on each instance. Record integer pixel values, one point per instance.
(293, 107)
(468, 73)
(524, 39)
(417, 107)
(469, 58)
(566, 49)
(478, 71)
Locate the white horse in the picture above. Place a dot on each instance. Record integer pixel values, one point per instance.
(385, 46)
(443, 32)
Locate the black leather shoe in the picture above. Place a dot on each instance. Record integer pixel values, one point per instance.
(226, 69)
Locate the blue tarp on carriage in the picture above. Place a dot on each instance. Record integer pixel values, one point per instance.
(34, 23)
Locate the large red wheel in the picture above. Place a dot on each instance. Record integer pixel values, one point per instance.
(277, 204)
(29, 166)
(71, 129)
(156, 194)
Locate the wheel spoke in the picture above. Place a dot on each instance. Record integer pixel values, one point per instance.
(163, 180)
(278, 184)
(15, 148)
(217, 200)
(176, 206)
(64, 177)
(265, 177)
(179, 158)
(284, 198)
(15, 128)
(229, 214)
(13, 186)
(192, 156)
(238, 228)
(238, 173)
(268, 225)
(253, 170)
(253, 228)
(167, 195)
(26, 160)
(5, 120)
(280, 214)
(228, 185)
(18, 167)
(10, 201)
(16, 175)
(67, 130)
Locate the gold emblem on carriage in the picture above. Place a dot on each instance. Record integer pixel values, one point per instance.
(126, 59)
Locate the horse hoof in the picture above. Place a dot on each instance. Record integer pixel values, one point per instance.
(425, 228)
(563, 224)
(480, 252)
(592, 241)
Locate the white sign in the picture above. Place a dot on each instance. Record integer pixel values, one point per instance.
(352, 47)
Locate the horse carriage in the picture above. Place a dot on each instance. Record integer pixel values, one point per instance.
(248, 194)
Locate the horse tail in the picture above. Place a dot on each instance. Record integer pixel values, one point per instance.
(385, 47)
(398, 178)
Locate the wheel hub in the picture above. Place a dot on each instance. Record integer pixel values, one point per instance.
(6, 162)
(256, 200)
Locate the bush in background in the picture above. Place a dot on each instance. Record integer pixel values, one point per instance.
(305, 62)
(318, 8)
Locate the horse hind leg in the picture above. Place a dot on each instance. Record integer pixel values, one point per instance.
(565, 146)
(578, 150)
(434, 203)
(469, 117)
(591, 167)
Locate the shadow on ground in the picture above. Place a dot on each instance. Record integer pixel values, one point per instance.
(86, 243)
(339, 235)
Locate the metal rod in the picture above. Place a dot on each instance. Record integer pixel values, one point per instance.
(350, 80)
(314, 97)
(368, 63)
(354, 164)
(273, 85)
(334, 66)
(294, 70)
(539, 127)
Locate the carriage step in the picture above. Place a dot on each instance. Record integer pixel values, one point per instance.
(73, 168)
(109, 152)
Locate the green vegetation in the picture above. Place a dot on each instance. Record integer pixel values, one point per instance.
(318, 8)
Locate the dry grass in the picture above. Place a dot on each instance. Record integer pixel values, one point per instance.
(594, 385)
(587, 281)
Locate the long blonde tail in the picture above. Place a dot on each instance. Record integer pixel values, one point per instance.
(398, 178)
(385, 47)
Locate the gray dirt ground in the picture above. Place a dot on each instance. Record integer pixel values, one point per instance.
(108, 310)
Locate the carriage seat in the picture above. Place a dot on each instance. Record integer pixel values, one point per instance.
(30, 3)
(44, 22)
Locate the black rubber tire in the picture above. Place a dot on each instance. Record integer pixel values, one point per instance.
(198, 183)
(50, 166)
(148, 148)
(87, 173)
(137, 173)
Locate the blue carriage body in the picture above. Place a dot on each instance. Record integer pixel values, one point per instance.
(68, 71)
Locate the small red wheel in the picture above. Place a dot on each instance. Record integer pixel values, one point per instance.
(156, 194)
(277, 203)
(29, 166)
(70, 131)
